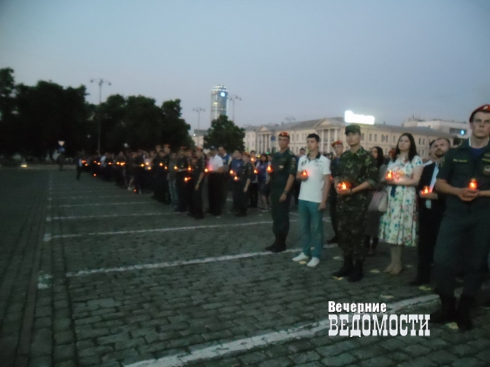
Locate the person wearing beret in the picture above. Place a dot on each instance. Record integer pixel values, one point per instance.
(464, 177)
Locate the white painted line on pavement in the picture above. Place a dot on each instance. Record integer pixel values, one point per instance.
(304, 331)
(103, 204)
(158, 230)
(95, 197)
(49, 219)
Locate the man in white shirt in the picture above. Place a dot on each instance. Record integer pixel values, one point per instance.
(314, 174)
(215, 182)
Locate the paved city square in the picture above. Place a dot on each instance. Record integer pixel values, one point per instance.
(93, 275)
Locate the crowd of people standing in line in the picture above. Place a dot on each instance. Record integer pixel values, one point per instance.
(441, 207)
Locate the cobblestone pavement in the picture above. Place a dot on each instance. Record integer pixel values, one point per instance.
(93, 275)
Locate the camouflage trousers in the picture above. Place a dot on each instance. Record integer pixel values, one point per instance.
(352, 229)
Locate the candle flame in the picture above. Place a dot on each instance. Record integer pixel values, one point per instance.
(473, 184)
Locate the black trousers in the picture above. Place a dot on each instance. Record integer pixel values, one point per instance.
(464, 239)
(197, 202)
(181, 191)
(297, 188)
(189, 194)
(429, 224)
(254, 194)
(158, 186)
(332, 198)
(79, 172)
(215, 193)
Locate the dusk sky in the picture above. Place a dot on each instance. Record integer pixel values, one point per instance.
(306, 59)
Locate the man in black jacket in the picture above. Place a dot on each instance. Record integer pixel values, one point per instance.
(431, 210)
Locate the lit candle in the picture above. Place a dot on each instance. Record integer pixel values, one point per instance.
(426, 190)
(269, 169)
(304, 173)
(175, 168)
(189, 169)
(389, 175)
(252, 159)
(98, 163)
(166, 168)
(343, 186)
(473, 184)
(206, 170)
(255, 171)
(235, 178)
(231, 172)
(161, 164)
(142, 165)
(95, 174)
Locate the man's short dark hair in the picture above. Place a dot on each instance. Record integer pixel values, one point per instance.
(446, 139)
(252, 151)
(432, 143)
(314, 136)
(302, 149)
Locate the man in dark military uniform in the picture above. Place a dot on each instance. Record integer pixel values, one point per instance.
(181, 168)
(166, 167)
(355, 174)
(282, 174)
(198, 178)
(190, 183)
(159, 172)
(338, 147)
(241, 185)
(464, 176)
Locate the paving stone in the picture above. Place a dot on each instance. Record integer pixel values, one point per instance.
(42, 343)
(344, 359)
(377, 362)
(252, 358)
(64, 352)
(305, 357)
(277, 362)
(368, 352)
(418, 362)
(44, 361)
(469, 362)
(416, 350)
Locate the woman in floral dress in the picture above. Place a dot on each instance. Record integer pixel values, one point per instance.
(398, 225)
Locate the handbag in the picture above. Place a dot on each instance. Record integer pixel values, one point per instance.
(379, 202)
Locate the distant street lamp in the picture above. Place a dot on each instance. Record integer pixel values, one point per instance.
(198, 110)
(233, 99)
(100, 81)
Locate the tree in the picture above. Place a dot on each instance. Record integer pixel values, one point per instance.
(175, 131)
(225, 133)
(8, 128)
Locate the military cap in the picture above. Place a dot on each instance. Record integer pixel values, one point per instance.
(484, 108)
(284, 133)
(198, 148)
(337, 142)
(352, 129)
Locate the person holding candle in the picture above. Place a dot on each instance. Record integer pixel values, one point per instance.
(338, 148)
(282, 172)
(254, 183)
(262, 178)
(198, 177)
(215, 182)
(181, 168)
(431, 208)
(241, 186)
(354, 176)
(236, 167)
(464, 230)
(398, 225)
(373, 219)
(314, 175)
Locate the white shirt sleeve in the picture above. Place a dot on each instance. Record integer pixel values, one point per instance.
(220, 161)
(326, 167)
(300, 164)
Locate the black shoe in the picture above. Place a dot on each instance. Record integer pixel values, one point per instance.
(357, 274)
(280, 244)
(332, 240)
(463, 313)
(346, 269)
(447, 312)
(268, 248)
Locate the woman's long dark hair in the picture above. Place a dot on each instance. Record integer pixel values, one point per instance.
(380, 160)
(413, 148)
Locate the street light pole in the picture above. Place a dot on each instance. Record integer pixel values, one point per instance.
(100, 81)
(198, 110)
(233, 99)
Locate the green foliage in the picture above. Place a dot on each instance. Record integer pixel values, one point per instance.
(34, 118)
(224, 132)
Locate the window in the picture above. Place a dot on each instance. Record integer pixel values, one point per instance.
(375, 137)
(420, 141)
(362, 136)
(370, 137)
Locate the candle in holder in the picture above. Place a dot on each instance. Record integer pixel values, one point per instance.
(255, 171)
(186, 179)
(189, 169)
(473, 184)
(166, 168)
(142, 165)
(343, 185)
(231, 172)
(426, 190)
(304, 174)
(389, 175)
(161, 164)
(206, 170)
(235, 178)
(269, 169)
(175, 168)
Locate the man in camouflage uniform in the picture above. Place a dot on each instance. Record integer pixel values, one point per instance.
(357, 170)
(282, 176)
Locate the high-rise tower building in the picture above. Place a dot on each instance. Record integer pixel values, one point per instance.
(219, 101)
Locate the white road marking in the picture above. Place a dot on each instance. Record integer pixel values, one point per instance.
(49, 219)
(304, 331)
(103, 204)
(112, 233)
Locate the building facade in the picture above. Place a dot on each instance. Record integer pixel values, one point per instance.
(219, 102)
(455, 128)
